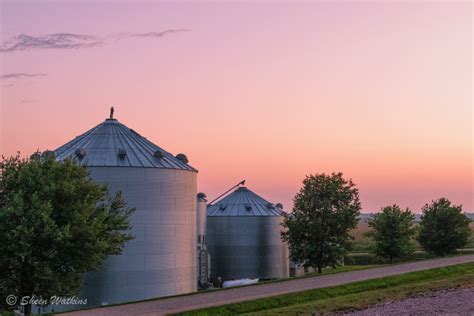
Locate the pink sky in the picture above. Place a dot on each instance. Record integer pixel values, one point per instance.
(268, 92)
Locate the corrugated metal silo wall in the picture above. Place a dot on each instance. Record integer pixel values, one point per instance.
(161, 260)
(245, 247)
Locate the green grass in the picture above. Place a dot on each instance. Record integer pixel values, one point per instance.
(355, 295)
(326, 271)
(370, 259)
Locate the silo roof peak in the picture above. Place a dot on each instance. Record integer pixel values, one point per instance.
(113, 144)
(243, 202)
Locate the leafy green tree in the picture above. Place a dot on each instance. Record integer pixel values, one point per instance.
(55, 225)
(392, 231)
(325, 210)
(443, 228)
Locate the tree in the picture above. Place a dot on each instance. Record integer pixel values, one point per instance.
(443, 228)
(392, 231)
(55, 225)
(325, 210)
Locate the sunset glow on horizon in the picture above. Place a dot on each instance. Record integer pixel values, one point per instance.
(267, 92)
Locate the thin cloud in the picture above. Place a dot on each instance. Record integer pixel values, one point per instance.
(8, 85)
(50, 41)
(20, 75)
(158, 34)
(25, 42)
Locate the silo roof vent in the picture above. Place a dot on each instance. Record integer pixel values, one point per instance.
(279, 205)
(270, 205)
(158, 154)
(122, 153)
(80, 153)
(182, 157)
(202, 197)
(248, 207)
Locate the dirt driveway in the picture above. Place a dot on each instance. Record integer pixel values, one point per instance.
(190, 302)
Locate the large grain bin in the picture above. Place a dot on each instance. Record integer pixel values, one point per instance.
(243, 237)
(161, 260)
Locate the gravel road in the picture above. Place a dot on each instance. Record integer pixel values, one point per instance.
(445, 302)
(190, 302)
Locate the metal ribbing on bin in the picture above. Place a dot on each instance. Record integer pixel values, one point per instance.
(243, 234)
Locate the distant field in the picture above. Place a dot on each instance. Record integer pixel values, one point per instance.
(471, 244)
(359, 232)
(363, 244)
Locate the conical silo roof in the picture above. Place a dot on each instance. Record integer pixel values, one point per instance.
(112, 144)
(243, 202)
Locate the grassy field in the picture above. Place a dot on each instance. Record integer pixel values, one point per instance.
(357, 295)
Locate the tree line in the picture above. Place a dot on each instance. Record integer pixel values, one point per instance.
(327, 208)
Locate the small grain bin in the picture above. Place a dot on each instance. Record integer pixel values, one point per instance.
(161, 260)
(202, 255)
(243, 237)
